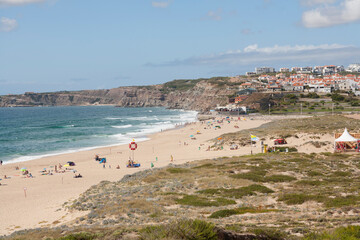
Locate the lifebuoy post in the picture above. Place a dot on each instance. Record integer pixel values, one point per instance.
(133, 147)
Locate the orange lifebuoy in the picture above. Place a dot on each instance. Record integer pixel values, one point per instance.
(133, 146)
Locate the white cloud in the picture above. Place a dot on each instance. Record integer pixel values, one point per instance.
(288, 48)
(7, 24)
(253, 54)
(161, 4)
(18, 2)
(316, 2)
(329, 15)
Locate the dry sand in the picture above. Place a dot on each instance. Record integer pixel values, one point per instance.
(45, 194)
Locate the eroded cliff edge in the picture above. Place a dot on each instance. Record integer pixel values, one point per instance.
(200, 94)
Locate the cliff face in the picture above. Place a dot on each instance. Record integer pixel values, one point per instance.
(199, 96)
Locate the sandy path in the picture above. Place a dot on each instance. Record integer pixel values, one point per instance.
(46, 194)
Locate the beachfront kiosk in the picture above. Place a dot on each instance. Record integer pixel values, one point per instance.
(346, 142)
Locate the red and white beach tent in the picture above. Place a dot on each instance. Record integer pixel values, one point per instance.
(341, 142)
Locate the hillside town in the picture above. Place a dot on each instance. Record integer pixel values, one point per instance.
(321, 80)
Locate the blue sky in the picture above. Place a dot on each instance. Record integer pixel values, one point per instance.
(53, 45)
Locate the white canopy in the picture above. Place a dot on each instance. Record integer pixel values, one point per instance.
(346, 137)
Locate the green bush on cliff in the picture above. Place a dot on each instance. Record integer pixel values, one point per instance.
(79, 236)
(343, 233)
(182, 229)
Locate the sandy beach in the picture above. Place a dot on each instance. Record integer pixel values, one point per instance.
(38, 202)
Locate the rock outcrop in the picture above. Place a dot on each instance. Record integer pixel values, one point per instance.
(200, 95)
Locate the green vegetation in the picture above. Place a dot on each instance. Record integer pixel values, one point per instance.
(188, 84)
(229, 212)
(337, 97)
(80, 236)
(180, 85)
(259, 176)
(343, 233)
(270, 234)
(207, 165)
(310, 95)
(298, 198)
(197, 201)
(182, 229)
(178, 170)
(309, 103)
(238, 193)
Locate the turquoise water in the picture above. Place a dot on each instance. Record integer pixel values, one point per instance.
(30, 133)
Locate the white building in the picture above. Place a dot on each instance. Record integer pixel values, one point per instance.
(262, 70)
(328, 70)
(355, 67)
(284, 70)
(318, 70)
(296, 69)
(319, 88)
(348, 85)
(306, 70)
(340, 69)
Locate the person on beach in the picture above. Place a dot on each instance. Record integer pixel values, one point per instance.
(97, 157)
(60, 166)
(171, 158)
(1, 162)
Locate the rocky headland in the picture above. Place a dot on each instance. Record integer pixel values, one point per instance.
(199, 94)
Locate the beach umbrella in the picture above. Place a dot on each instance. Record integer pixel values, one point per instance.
(23, 169)
(219, 138)
(66, 165)
(191, 135)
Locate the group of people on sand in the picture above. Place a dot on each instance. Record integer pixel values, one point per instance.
(97, 158)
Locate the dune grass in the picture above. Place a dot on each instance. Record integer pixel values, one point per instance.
(236, 211)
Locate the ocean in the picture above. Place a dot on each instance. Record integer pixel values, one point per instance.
(31, 133)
